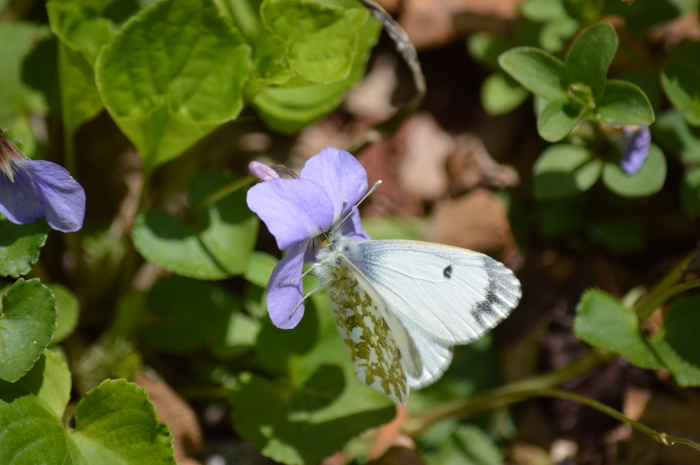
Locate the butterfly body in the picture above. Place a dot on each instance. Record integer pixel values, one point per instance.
(401, 305)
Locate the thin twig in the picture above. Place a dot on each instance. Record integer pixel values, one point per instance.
(407, 50)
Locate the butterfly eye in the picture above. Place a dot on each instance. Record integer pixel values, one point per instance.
(447, 272)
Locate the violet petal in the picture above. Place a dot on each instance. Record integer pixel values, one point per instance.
(353, 227)
(19, 201)
(341, 175)
(63, 197)
(282, 299)
(636, 150)
(294, 210)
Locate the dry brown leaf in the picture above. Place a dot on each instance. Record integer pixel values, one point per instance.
(475, 221)
(178, 415)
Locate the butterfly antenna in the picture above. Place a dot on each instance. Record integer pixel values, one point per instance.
(304, 298)
(300, 276)
(354, 207)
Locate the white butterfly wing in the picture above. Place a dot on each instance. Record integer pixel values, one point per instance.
(454, 295)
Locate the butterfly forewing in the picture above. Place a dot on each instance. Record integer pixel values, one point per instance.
(453, 294)
(375, 338)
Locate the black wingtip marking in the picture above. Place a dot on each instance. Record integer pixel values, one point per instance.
(447, 272)
(484, 313)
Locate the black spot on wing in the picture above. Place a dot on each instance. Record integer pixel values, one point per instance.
(447, 272)
(485, 313)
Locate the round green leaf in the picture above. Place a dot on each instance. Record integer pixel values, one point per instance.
(115, 423)
(27, 324)
(676, 136)
(648, 180)
(186, 312)
(67, 307)
(173, 74)
(260, 268)
(624, 103)
(320, 398)
(20, 245)
(565, 170)
(219, 242)
(501, 94)
(590, 56)
(537, 71)
(558, 119)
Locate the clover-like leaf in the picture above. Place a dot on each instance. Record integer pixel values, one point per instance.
(564, 170)
(114, 423)
(537, 71)
(321, 397)
(27, 324)
(173, 74)
(624, 103)
(558, 119)
(648, 180)
(20, 245)
(215, 244)
(590, 56)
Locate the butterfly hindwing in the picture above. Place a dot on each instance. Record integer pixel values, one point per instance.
(383, 354)
(455, 295)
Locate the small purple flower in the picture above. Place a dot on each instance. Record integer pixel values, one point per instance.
(31, 189)
(297, 212)
(635, 148)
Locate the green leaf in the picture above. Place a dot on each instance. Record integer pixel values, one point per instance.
(80, 25)
(320, 39)
(67, 308)
(690, 192)
(114, 423)
(171, 75)
(604, 322)
(590, 56)
(537, 71)
(245, 15)
(289, 109)
(558, 119)
(80, 100)
(186, 313)
(555, 35)
(27, 324)
(543, 10)
(681, 82)
(234, 336)
(501, 94)
(564, 170)
(260, 268)
(478, 448)
(676, 343)
(648, 180)
(320, 397)
(216, 244)
(624, 104)
(16, 97)
(20, 245)
(676, 136)
(485, 48)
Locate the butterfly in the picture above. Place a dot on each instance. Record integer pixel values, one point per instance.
(401, 305)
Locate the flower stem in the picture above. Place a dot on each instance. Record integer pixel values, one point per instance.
(501, 395)
(224, 191)
(662, 291)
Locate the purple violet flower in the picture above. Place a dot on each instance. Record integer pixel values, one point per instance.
(297, 212)
(31, 189)
(635, 148)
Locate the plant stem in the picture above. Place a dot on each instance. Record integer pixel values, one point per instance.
(224, 191)
(675, 290)
(653, 298)
(501, 395)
